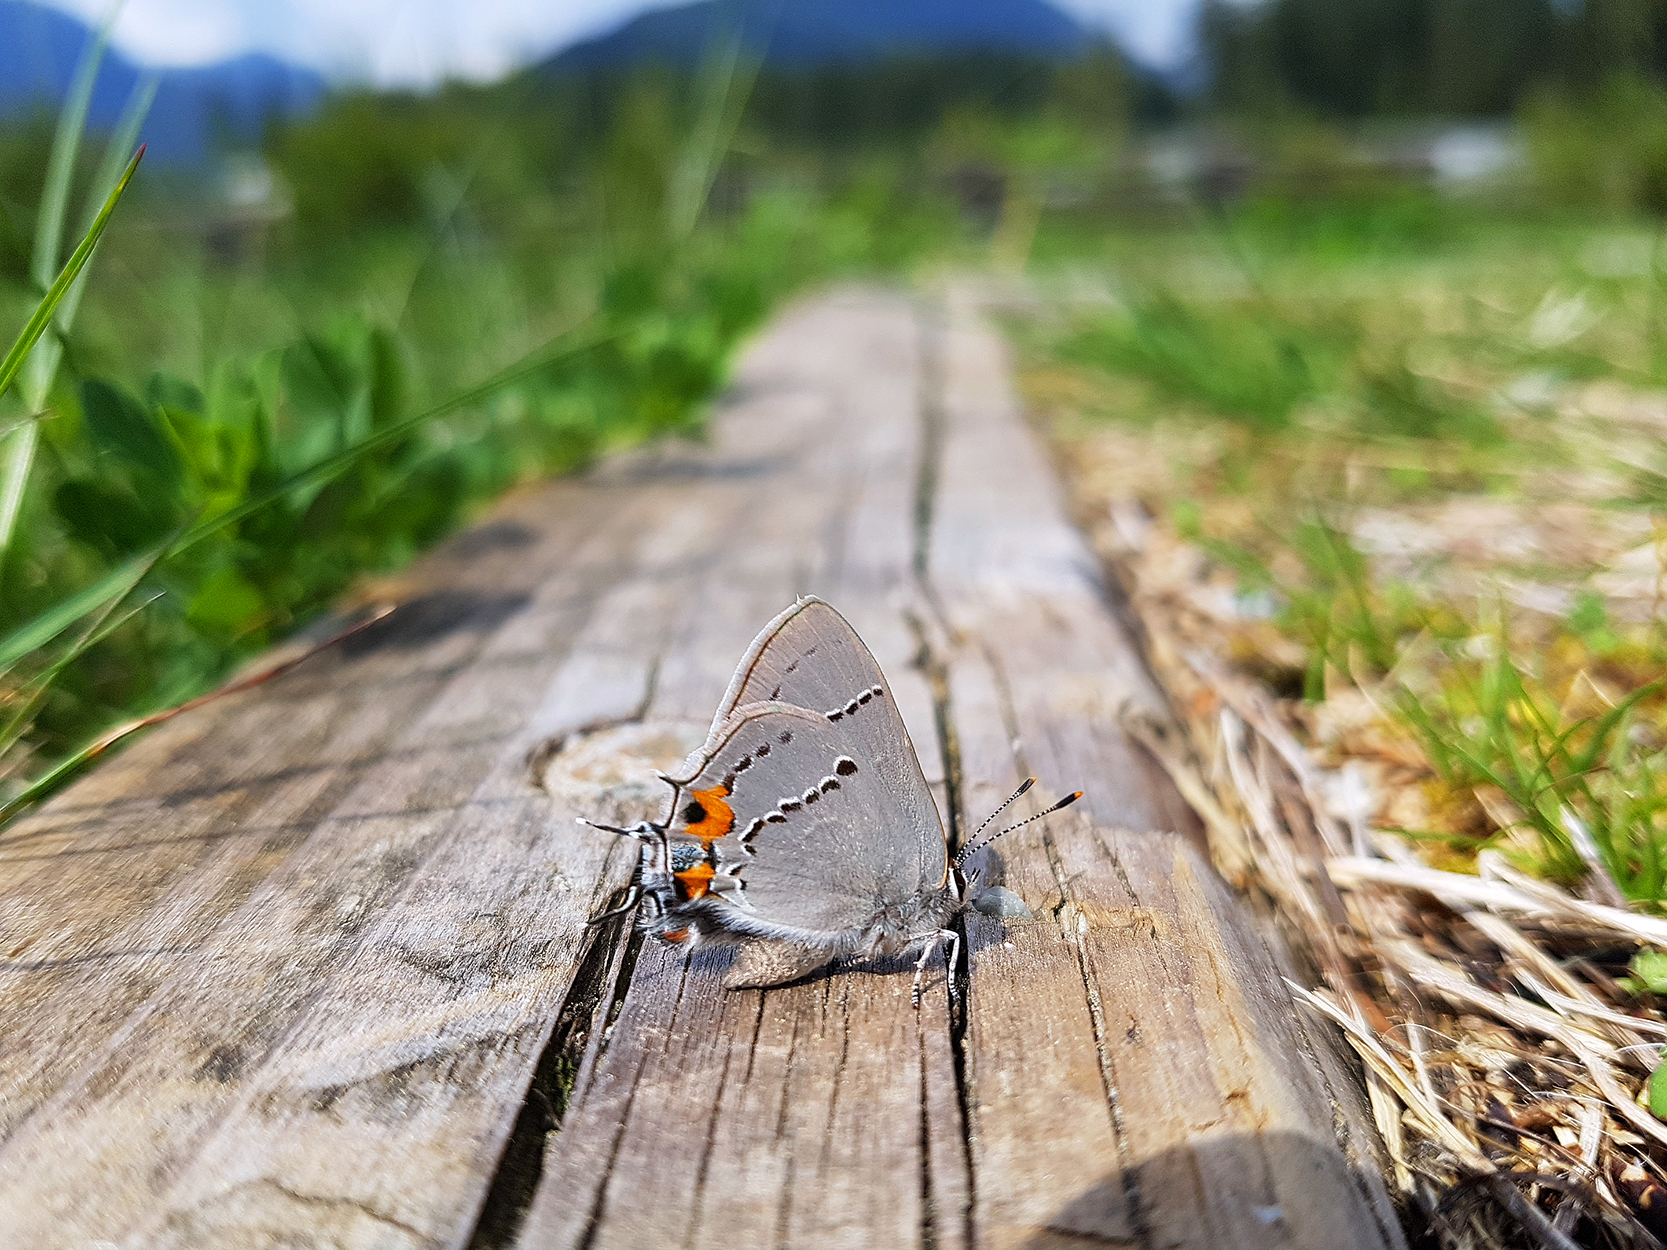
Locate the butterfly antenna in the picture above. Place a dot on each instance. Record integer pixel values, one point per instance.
(973, 849)
(1006, 803)
(643, 830)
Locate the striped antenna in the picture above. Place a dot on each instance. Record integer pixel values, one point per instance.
(1005, 804)
(637, 831)
(973, 849)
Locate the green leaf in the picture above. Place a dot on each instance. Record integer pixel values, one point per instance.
(112, 519)
(1658, 1092)
(389, 389)
(164, 390)
(1650, 968)
(118, 425)
(226, 603)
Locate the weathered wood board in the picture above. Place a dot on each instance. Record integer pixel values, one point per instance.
(311, 967)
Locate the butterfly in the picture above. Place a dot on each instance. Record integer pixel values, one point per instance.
(802, 830)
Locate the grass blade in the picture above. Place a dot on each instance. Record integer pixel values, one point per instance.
(49, 235)
(14, 475)
(42, 365)
(40, 685)
(109, 174)
(726, 81)
(60, 166)
(42, 316)
(48, 625)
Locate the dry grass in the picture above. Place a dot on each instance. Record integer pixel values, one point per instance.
(1507, 1066)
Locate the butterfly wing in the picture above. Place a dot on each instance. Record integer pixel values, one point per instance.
(811, 657)
(817, 823)
(808, 656)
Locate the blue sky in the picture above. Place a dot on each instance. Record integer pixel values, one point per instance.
(419, 42)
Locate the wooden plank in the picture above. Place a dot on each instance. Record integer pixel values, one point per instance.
(311, 968)
(793, 1116)
(268, 1007)
(1167, 1095)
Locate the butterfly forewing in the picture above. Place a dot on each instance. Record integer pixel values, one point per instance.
(808, 656)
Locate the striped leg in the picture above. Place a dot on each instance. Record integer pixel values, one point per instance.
(942, 937)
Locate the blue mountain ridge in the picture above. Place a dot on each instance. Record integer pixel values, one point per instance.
(801, 33)
(196, 110)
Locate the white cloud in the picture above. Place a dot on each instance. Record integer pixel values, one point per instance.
(420, 42)
(1156, 32)
(388, 42)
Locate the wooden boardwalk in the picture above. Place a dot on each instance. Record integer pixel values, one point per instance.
(311, 968)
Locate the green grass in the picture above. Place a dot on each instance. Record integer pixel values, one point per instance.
(1373, 363)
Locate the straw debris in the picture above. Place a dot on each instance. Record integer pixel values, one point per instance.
(1508, 1066)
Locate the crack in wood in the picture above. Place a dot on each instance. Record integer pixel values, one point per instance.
(697, 1203)
(561, 1063)
(319, 1202)
(593, 1221)
(935, 668)
(844, 1016)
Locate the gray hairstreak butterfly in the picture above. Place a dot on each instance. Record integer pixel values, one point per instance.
(803, 829)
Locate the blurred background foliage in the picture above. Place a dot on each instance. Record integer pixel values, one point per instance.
(372, 261)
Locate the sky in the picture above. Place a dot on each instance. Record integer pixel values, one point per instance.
(416, 43)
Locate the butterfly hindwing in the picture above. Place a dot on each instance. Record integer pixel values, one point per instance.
(817, 824)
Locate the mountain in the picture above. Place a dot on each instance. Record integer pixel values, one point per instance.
(803, 33)
(195, 111)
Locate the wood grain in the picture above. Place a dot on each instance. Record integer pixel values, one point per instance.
(311, 967)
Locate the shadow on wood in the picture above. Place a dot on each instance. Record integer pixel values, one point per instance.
(1231, 1189)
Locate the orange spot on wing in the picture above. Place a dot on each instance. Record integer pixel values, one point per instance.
(675, 936)
(696, 880)
(719, 818)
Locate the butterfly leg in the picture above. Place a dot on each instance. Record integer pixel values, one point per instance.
(933, 941)
(632, 897)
